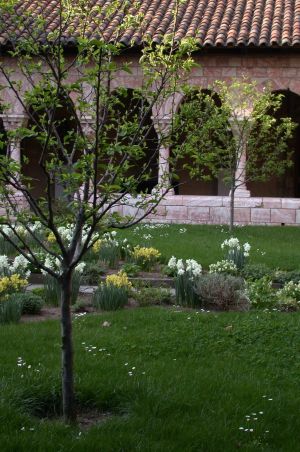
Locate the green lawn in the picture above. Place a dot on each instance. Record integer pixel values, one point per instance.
(195, 378)
(277, 247)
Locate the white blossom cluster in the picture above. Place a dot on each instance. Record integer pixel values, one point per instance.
(234, 244)
(224, 266)
(18, 266)
(54, 264)
(20, 230)
(181, 267)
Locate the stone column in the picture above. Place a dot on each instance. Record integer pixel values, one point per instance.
(86, 124)
(162, 127)
(11, 123)
(240, 175)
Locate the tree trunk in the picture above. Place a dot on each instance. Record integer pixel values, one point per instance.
(232, 193)
(68, 395)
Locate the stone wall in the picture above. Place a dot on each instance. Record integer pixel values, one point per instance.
(215, 210)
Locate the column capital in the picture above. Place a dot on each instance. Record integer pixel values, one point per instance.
(162, 124)
(13, 121)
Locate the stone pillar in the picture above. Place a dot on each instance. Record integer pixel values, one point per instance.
(162, 127)
(240, 175)
(11, 123)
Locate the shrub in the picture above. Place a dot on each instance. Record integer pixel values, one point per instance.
(110, 297)
(31, 304)
(146, 258)
(283, 277)
(92, 272)
(131, 269)
(148, 296)
(261, 293)
(256, 271)
(222, 292)
(224, 266)
(290, 290)
(10, 311)
(40, 291)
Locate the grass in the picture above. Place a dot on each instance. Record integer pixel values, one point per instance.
(204, 372)
(277, 247)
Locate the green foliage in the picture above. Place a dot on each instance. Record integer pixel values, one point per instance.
(109, 297)
(39, 291)
(261, 293)
(221, 292)
(92, 273)
(204, 120)
(52, 289)
(10, 311)
(149, 296)
(110, 254)
(283, 277)
(6, 248)
(256, 271)
(184, 290)
(131, 269)
(31, 304)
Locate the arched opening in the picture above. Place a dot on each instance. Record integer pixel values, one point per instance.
(287, 185)
(130, 116)
(3, 138)
(32, 149)
(183, 184)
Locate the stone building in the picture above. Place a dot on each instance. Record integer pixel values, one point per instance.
(259, 39)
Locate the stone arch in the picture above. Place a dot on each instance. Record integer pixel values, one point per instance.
(287, 185)
(127, 107)
(184, 184)
(31, 149)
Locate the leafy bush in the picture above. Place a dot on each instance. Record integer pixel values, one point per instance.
(10, 311)
(40, 291)
(221, 292)
(283, 277)
(131, 269)
(110, 297)
(92, 272)
(148, 296)
(256, 271)
(261, 293)
(30, 303)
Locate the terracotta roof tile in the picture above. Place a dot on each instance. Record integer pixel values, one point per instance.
(222, 23)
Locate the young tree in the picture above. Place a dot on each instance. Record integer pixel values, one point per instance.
(237, 135)
(107, 155)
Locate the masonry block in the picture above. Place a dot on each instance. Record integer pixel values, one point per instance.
(260, 215)
(288, 203)
(198, 214)
(219, 215)
(177, 212)
(274, 203)
(283, 216)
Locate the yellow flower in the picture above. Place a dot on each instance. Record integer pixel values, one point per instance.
(97, 245)
(146, 254)
(118, 280)
(11, 284)
(51, 238)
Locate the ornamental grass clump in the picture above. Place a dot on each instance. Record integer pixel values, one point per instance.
(145, 257)
(236, 252)
(186, 274)
(113, 294)
(11, 309)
